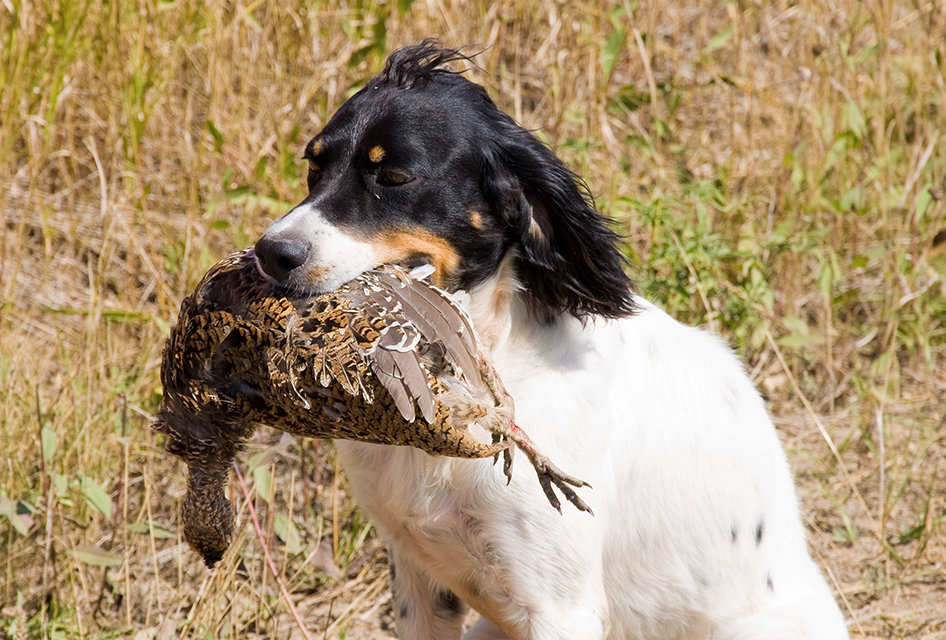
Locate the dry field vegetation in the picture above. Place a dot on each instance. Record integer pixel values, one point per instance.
(778, 168)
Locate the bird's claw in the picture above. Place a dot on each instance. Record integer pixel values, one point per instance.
(507, 456)
(507, 464)
(549, 474)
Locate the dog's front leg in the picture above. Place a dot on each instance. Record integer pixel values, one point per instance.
(423, 610)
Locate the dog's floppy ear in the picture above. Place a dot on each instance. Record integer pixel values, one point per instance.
(568, 256)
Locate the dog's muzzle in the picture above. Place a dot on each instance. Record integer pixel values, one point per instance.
(279, 256)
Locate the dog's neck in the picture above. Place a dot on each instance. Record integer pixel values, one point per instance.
(494, 305)
(520, 344)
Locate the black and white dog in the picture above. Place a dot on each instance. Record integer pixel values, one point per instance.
(696, 533)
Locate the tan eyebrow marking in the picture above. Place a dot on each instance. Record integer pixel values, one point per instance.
(376, 154)
(476, 219)
(316, 147)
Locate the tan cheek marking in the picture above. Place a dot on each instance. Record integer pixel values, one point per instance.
(476, 219)
(394, 246)
(317, 274)
(376, 154)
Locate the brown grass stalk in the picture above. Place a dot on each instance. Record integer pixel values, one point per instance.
(274, 570)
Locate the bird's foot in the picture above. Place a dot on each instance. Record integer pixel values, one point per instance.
(548, 473)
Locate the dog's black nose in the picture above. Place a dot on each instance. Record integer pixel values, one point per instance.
(279, 256)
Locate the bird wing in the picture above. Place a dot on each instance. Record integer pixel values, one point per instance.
(387, 337)
(437, 317)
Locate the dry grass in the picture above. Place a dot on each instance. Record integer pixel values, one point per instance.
(778, 167)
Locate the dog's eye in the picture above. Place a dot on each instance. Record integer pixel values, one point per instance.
(312, 177)
(392, 178)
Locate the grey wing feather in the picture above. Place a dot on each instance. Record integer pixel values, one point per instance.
(439, 320)
(385, 368)
(388, 342)
(415, 379)
(459, 321)
(402, 311)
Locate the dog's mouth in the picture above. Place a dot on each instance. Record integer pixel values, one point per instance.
(292, 264)
(415, 261)
(305, 282)
(318, 280)
(293, 268)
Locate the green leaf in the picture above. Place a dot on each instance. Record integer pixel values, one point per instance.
(17, 514)
(660, 127)
(238, 194)
(403, 6)
(798, 340)
(826, 279)
(263, 478)
(794, 324)
(217, 136)
(61, 488)
(380, 36)
(285, 528)
(612, 49)
(720, 39)
(260, 169)
(156, 530)
(95, 495)
(923, 201)
(853, 199)
(119, 315)
(48, 441)
(855, 120)
(97, 556)
(628, 98)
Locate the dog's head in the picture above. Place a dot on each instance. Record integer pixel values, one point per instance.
(421, 166)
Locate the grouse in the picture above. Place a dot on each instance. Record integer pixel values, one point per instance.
(386, 358)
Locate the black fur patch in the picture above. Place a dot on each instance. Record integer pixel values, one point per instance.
(447, 602)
